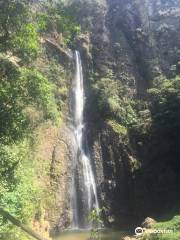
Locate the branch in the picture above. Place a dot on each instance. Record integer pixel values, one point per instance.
(17, 223)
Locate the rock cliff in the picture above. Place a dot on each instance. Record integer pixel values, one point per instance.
(126, 47)
(131, 43)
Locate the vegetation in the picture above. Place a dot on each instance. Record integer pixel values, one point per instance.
(159, 113)
(30, 96)
(141, 123)
(18, 35)
(34, 92)
(59, 19)
(84, 12)
(165, 100)
(95, 218)
(19, 192)
(171, 227)
(113, 101)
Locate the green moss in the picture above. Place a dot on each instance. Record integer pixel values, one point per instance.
(118, 128)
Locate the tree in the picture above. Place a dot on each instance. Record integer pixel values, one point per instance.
(18, 89)
(165, 102)
(17, 34)
(12, 15)
(12, 121)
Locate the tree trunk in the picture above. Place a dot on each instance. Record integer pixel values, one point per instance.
(16, 222)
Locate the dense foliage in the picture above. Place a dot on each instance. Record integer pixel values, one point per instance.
(18, 35)
(21, 88)
(113, 101)
(59, 19)
(18, 190)
(165, 102)
(30, 95)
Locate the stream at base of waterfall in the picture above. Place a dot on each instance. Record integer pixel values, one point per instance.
(85, 235)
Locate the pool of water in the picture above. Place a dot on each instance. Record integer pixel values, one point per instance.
(81, 235)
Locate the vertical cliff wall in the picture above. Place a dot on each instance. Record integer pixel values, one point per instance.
(125, 47)
(130, 43)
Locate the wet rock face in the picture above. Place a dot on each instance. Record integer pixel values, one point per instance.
(114, 184)
(60, 180)
(151, 28)
(137, 41)
(54, 154)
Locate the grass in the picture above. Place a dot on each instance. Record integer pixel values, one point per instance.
(173, 225)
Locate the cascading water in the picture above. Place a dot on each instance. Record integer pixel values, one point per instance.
(84, 194)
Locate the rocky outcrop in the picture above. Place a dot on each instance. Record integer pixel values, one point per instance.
(148, 222)
(65, 54)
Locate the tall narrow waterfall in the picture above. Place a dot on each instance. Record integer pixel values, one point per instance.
(84, 194)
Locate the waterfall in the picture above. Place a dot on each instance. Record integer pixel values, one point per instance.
(84, 194)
